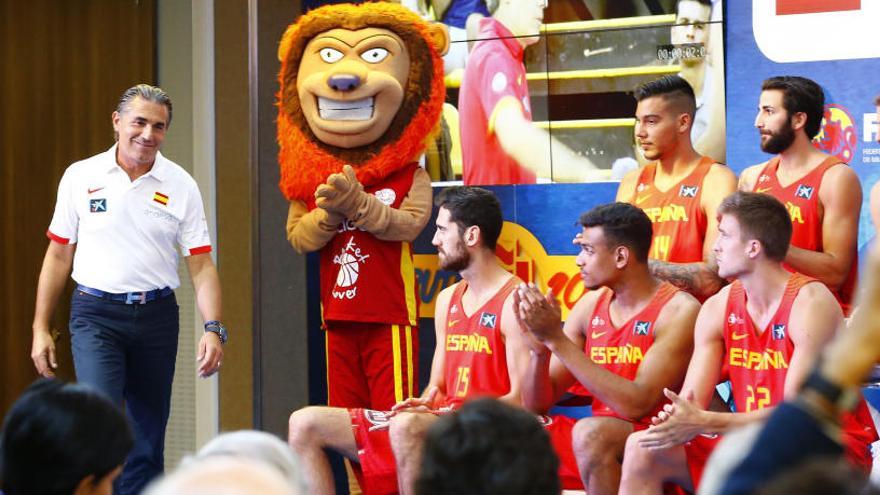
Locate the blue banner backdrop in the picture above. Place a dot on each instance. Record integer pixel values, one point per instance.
(832, 47)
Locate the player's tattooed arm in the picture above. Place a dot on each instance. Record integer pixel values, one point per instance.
(699, 279)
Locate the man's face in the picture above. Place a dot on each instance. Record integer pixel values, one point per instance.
(528, 15)
(691, 25)
(140, 130)
(596, 259)
(730, 248)
(657, 127)
(449, 241)
(774, 123)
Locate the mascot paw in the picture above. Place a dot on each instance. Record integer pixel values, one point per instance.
(342, 193)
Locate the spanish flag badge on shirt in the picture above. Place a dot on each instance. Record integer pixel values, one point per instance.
(160, 198)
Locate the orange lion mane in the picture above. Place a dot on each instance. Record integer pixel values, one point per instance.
(305, 161)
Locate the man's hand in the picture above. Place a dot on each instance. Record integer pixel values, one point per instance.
(423, 404)
(679, 422)
(210, 354)
(43, 353)
(539, 313)
(342, 193)
(532, 343)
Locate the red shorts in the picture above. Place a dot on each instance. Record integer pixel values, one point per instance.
(858, 435)
(559, 428)
(377, 472)
(698, 451)
(370, 365)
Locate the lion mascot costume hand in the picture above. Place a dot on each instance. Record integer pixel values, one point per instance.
(361, 94)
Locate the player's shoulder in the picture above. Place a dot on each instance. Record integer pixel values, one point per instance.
(587, 303)
(627, 185)
(718, 301)
(749, 176)
(813, 294)
(721, 172)
(446, 292)
(682, 302)
(842, 173)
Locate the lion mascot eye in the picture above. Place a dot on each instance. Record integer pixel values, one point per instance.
(375, 55)
(331, 55)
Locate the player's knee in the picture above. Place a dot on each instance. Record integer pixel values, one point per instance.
(303, 427)
(593, 443)
(638, 458)
(407, 428)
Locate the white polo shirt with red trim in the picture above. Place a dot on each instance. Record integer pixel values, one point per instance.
(128, 232)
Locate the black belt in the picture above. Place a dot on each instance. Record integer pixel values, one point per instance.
(127, 297)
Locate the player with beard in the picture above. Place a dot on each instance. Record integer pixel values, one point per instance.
(679, 190)
(480, 352)
(763, 331)
(626, 340)
(822, 194)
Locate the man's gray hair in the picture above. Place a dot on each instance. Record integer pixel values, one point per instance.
(146, 92)
(257, 446)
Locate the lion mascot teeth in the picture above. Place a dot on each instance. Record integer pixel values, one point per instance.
(361, 92)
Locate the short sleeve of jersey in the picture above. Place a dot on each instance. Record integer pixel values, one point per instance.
(498, 80)
(193, 234)
(65, 220)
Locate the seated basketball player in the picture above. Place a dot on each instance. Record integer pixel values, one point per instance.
(625, 341)
(480, 352)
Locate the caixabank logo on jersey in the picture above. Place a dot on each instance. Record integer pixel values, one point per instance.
(838, 135)
(520, 253)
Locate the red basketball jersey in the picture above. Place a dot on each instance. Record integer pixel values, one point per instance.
(364, 278)
(476, 359)
(757, 362)
(677, 216)
(621, 350)
(801, 199)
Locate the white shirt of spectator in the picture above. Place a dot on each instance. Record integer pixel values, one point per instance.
(127, 232)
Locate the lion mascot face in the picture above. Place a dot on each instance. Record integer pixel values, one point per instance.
(360, 85)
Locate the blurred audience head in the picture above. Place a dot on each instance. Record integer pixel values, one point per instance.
(256, 446)
(62, 439)
(223, 475)
(488, 447)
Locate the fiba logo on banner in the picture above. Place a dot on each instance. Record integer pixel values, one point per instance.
(349, 260)
(838, 135)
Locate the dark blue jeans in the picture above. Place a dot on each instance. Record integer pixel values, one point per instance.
(127, 351)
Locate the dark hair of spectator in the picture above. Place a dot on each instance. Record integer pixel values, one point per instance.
(56, 435)
(469, 206)
(488, 447)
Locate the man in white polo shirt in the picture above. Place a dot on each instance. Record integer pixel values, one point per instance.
(119, 219)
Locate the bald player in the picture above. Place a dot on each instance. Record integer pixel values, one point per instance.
(679, 189)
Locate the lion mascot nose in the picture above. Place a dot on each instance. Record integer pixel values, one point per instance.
(344, 82)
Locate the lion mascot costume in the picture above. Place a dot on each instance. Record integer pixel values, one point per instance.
(361, 94)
